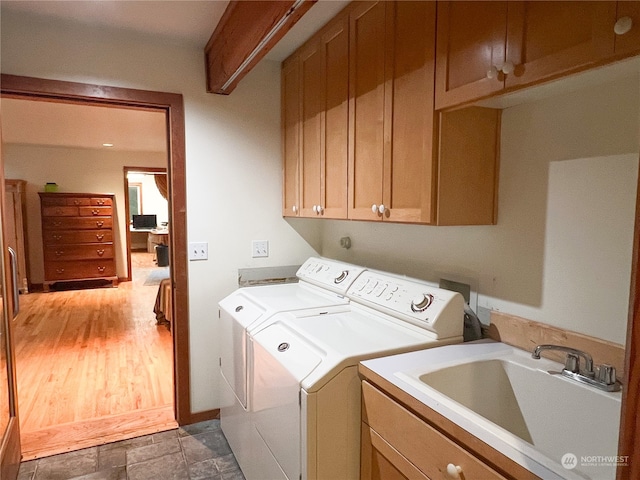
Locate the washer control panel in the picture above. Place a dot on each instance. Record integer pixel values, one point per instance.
(438, 310)
(332, 275)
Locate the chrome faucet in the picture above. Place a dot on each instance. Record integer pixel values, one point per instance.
(606, 374)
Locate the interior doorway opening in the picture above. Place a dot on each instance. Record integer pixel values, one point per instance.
(171, 105)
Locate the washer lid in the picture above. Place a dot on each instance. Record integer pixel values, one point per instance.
(342, 340)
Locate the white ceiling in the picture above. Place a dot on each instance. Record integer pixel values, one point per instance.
(32, 122)
(185, 22)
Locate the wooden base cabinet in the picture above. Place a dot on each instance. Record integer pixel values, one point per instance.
(77, 237)
(398, 443)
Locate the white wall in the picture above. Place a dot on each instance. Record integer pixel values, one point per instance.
(74, 170)
(232, 157)
(561, 251)
(153, 203)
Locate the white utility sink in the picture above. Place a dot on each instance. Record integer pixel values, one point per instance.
(521, 406)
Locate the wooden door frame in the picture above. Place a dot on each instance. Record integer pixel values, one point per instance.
(29, 88)
(126, 171)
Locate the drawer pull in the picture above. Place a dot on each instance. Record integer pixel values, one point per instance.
(59, 211)
(76, 202)
(59, 253)
(99, 236)
(95, 211)
(454, 471)
(59, 271)
(57, 224)
(101, 269)
(100, 252)
(100, 224)
(100, 202)
(57, 237)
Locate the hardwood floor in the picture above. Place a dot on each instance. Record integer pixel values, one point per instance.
(92, 366)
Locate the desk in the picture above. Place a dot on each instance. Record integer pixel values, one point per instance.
(148, 238)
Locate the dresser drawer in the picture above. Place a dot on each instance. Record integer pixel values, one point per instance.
(55, 200)
(76, 223)
(61, 237)
(421, 444)
(95, 211)
(101, 201)
(60, 253)
(60, 211)
(56, 271)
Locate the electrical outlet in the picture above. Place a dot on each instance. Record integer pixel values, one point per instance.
(198, 250)
(260, 248)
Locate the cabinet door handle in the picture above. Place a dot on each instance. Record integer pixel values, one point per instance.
(14, 280)
(508, 68)
(59, 270)
(454, 471)
(492, 72)
(623, 25)
(100, 252)
(100, 224)
(101, 269)
(59, 253)
(99, 236)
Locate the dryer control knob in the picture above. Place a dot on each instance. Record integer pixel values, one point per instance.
(340, 278)
(421, 302)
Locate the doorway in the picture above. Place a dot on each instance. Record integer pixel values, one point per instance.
(172, 107)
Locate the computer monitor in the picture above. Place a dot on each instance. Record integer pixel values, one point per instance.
(145, 221)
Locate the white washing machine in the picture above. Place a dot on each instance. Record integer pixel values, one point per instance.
(321, 288)
(305, 389)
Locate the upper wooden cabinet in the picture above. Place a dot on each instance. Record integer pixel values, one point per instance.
(402, 167)
(315, 124)
(486, 47)
(403, 163)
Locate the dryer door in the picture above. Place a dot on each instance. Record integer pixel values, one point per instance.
(280, 360)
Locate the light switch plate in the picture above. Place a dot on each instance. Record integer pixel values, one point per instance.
(260, 248)
(198, 250)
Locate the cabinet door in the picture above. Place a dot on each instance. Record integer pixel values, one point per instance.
(335, 135)
(409, 183)
(470, 40)
(380, 461)
(291, 135)
(366, 109)
(549, 38)
(312, 104)
(629, 42)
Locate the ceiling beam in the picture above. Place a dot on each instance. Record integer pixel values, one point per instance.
(244, 35)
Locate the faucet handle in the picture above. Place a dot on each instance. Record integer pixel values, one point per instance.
(572, 363)
(607, 374)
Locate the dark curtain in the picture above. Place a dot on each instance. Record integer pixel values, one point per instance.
(161, 183)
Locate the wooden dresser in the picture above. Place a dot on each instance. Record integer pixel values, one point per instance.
(77, 237)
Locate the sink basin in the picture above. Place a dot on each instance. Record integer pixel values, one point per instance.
(521, 406)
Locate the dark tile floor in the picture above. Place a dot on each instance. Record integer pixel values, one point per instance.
(193, 452)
